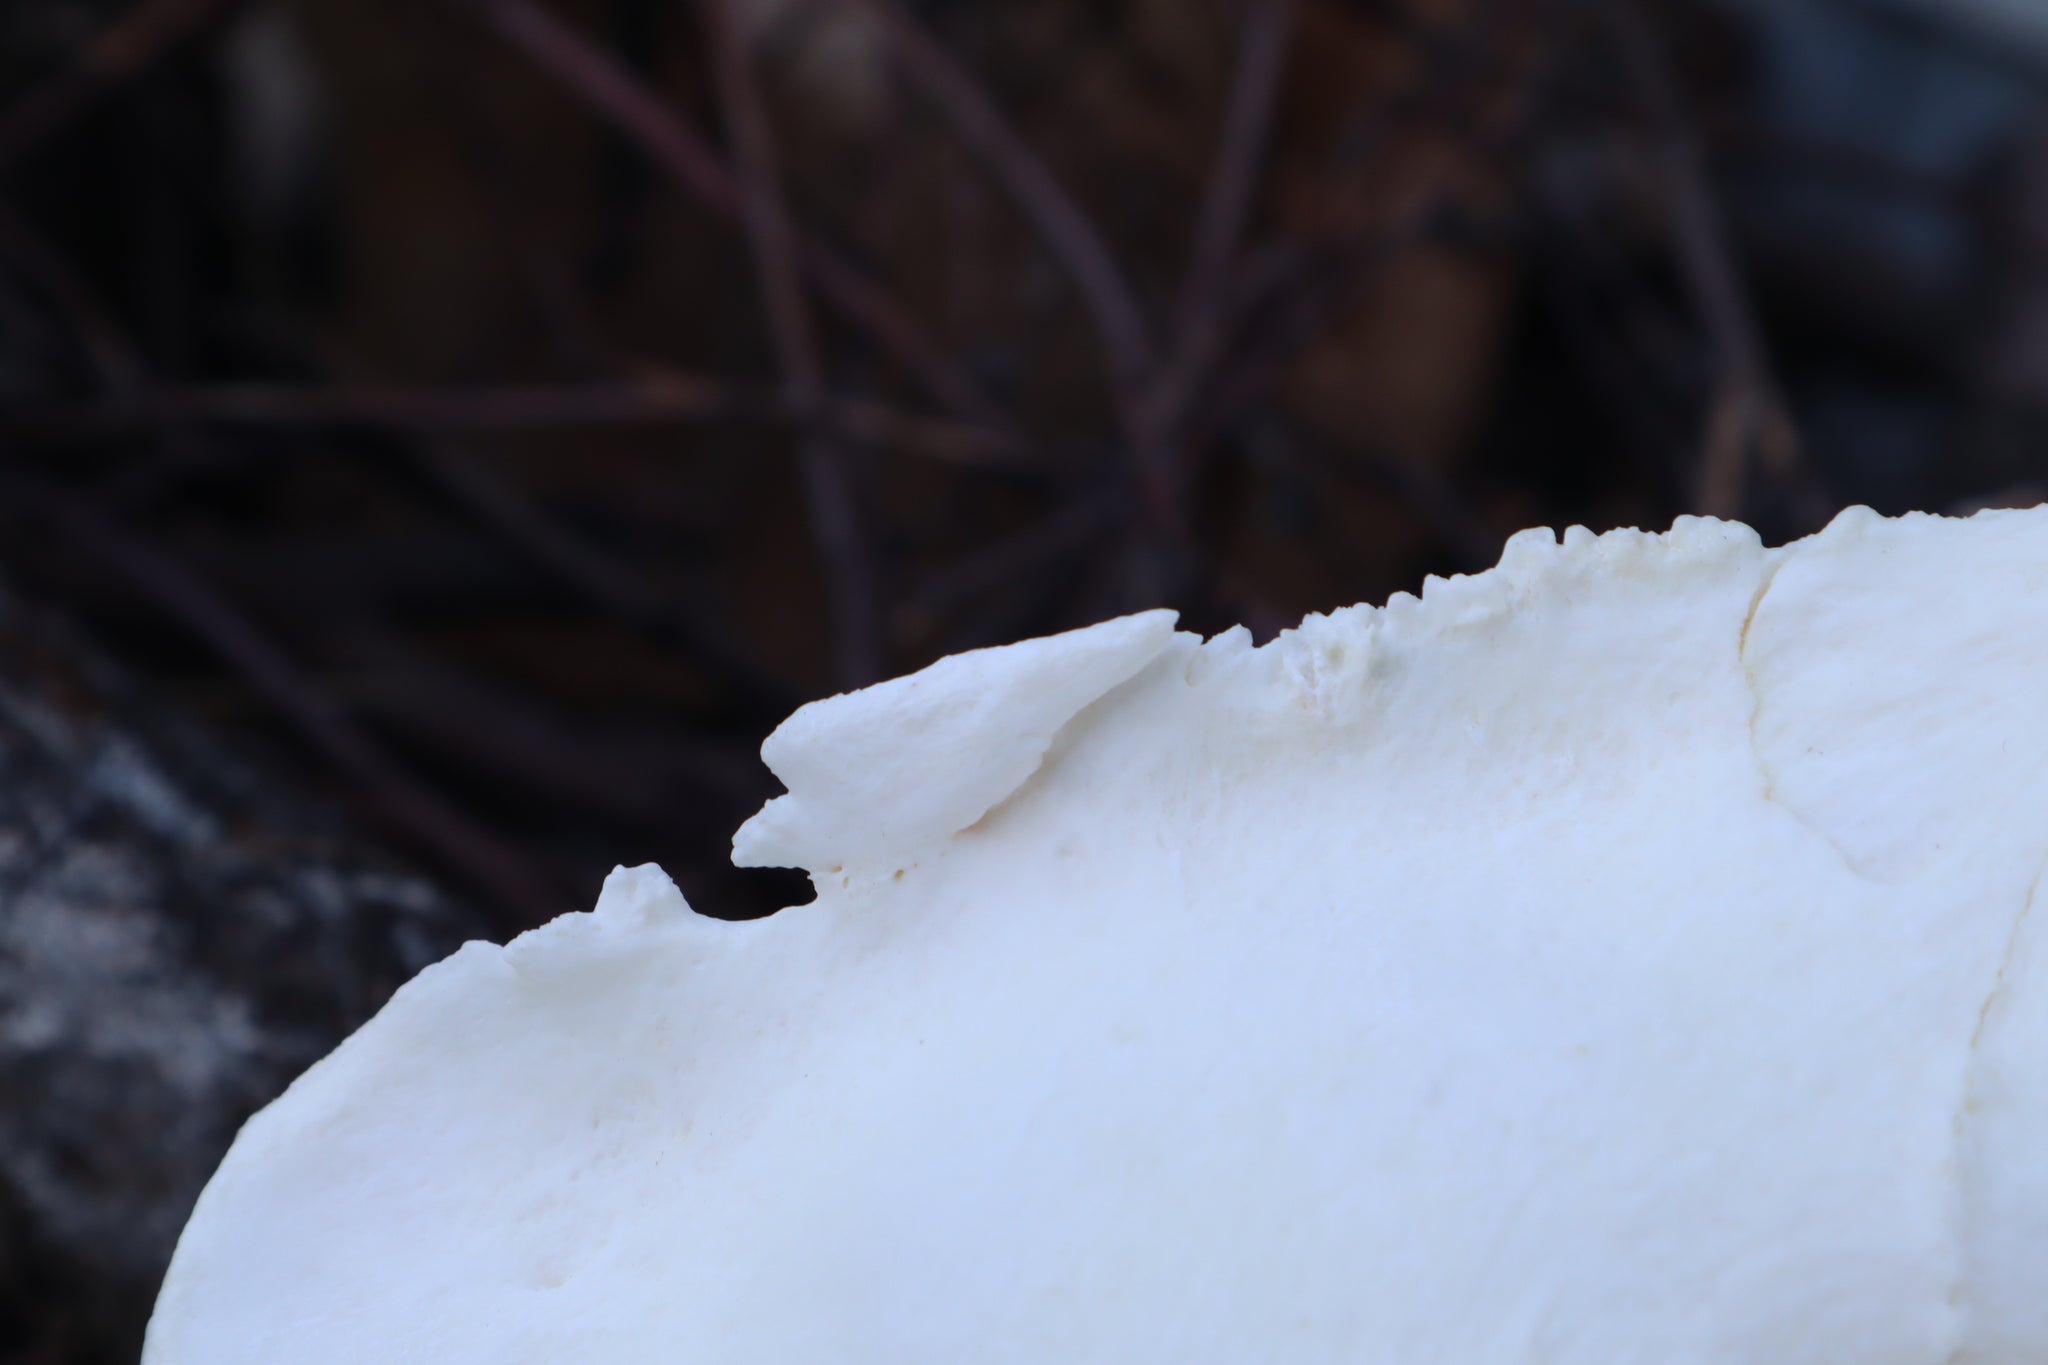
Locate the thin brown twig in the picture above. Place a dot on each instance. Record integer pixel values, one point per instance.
(623, 101)
(545, 542)
(1247, 126)
(1276, 271)
(663, 398)
(1748, 413)
(1201, 325)
(1111, 302)
(631, 772)
(1295, 293)
(1018, 557)
(854, 584)
(115, 54)
(418, 812)
(561, 303)
(594, 572)
(1070, 235)
(113, 353)
(120, 371)
(1201, 346)
(1433, 500)
(1201, 328)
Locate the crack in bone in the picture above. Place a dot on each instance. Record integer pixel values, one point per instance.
(1749, 678)
(1966, 1108)
(1756, 710)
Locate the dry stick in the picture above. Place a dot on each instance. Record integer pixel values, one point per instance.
(397, 796)
(1201, 325)
(1299, 291)
(611, 584)
(1247, 127)
(1111, 303)
(562, 304)
(614, 586)
(117, 362)
(594, 572)
(854, 583)
(660, 399)
(1019, 557)
(1749, 410)
(661, 132)
(1202, 348)
(1434, 500)
(118, 52)
(499, 734)
(108, 347)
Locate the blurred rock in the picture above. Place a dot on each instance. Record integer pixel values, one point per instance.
(179, 937)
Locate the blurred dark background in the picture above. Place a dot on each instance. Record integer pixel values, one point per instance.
(440, 438)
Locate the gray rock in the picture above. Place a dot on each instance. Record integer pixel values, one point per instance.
(180, 935)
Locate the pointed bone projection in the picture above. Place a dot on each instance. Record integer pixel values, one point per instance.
(1622, 955)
